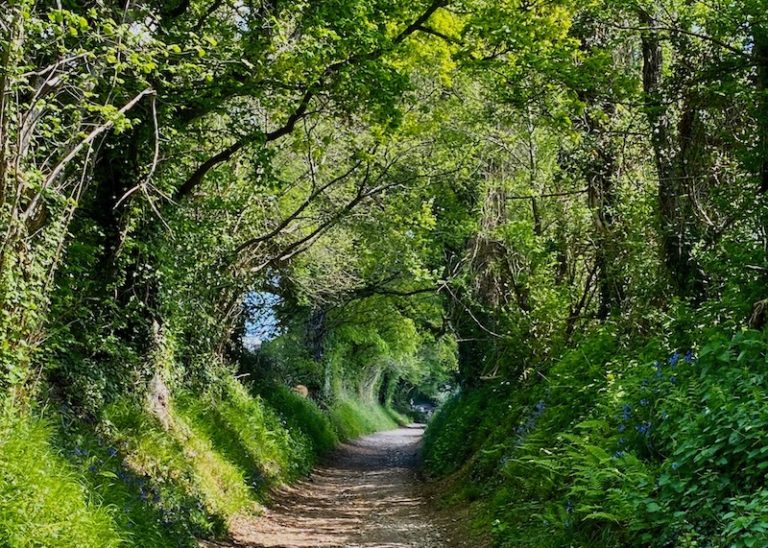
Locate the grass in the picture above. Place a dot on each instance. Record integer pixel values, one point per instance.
(353, 418)
(304, 415)
(195, 487)
(400, 418)
(144, 513)
(250, 434)
(43, 501)
(128, 480)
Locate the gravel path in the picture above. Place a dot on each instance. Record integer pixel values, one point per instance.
(368, 495)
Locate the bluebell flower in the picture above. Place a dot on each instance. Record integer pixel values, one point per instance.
(622, 441)
(81, 452)
(619, 454)
(664, 415)
(627, 412)
(112, 452)
(689, 357)
(569, 506)
(675, 466)
(539, 407)
(644, 402)
(643, 428)
(674, 358)
(673, 379)
(622, 427)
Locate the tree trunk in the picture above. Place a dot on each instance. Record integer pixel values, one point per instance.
(760, 52)
(674, 210)
(600, 173)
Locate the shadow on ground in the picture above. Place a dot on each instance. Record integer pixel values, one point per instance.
(367, 495)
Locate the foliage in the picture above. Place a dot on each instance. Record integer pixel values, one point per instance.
(302, 414)
(645, 452)
(193, 483)
(140, 515)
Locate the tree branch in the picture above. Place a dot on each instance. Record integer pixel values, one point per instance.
(442, 36)
(676, 30)
(96, 132)
(310, 92)
(298, 211)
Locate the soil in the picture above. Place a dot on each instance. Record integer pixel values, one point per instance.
(368, 494)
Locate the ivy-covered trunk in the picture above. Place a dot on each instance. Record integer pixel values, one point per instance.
(670, 149)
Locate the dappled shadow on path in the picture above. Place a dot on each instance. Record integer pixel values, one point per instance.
(367, 495)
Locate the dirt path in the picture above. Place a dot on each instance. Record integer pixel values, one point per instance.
(368, 495)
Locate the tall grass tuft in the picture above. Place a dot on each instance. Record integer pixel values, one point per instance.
(43, 501)
(304, 415)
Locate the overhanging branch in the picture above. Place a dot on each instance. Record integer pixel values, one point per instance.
(300, 111)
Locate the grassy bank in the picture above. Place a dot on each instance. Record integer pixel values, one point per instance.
(134, 479)
(43, 499)
(352, 417)
(647, 445)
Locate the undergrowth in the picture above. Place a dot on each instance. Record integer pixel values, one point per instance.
(304, 415)
(42, 500)
(659, 444)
